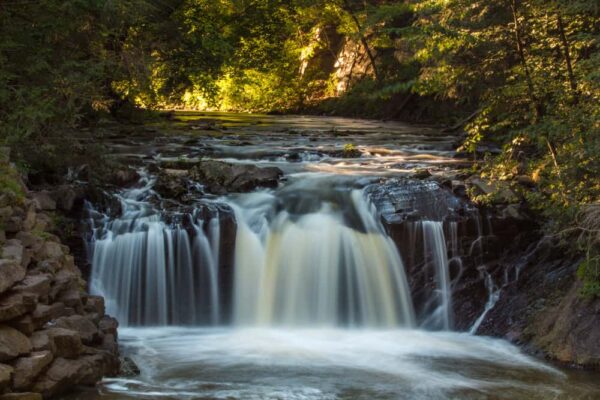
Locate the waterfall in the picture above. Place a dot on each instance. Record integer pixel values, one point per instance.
(316, 269)
(436, 259)
(152, 272)
(312, 253)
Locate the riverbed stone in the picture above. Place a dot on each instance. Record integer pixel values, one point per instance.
(27, 369)
(220, 177)
(12, 343)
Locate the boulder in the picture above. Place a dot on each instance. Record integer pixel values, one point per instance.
(38, 285)
(43, 201)
(49, 250)
(125, 177)
(30, 240)
(13, 250)
(129, 368)
(12, 343)
(95, 304)
(13, 305)
(66, 196)
(6, 372)
(42, 340)
(63, 373)
(108, 325)
(80, 324)
(171, 186)
(220, 177)
(47, 312)
(27, 369)
(25, 325)
(66, 341)
(11, 272)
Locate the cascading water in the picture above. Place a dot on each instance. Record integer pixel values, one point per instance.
(152, 272)
(325, 266)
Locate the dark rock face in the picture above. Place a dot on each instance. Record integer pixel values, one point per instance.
(543, 309)
(220, 177)
(53, 335)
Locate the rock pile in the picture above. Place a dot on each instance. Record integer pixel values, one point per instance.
(53, 335)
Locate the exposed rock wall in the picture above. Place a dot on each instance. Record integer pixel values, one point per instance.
(53, 335)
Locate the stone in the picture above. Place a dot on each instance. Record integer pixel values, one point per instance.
(42, 340)
(38, 285)
(109, 343)
(49, 250)
(21, 396)
(25, 325)
(95, 304)
(27, 369)
(44, 313)
(220, 177)
(13, 305)
(72, 298)
(43, 201)
(6, 373)
(11, 272)
(66, 196)
(64, 373)
(12, 250)
(481, 186)
(108, 325)
(43, 223)
(66, 341)
(30, 219)
(80, 324)
(12, 343)
(129, 368)
(30, 240)
(421, 173)
(125, 177)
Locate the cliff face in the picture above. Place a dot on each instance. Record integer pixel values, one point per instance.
(53, 334)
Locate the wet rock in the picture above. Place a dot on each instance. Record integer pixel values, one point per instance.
(6, 372)
(171, 186)
(66, 196)
(125, 177)
(27, 369)
(422, 173)
(12, 343)
(220, 177)
(129, 368)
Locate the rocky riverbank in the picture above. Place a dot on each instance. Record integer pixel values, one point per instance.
(53, 334)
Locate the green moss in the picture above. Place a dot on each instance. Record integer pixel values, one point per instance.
(589, 273)
(10, 185)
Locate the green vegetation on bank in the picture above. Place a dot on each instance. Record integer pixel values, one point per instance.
(523, 75)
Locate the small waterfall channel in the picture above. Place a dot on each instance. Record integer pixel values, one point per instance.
(312, 253)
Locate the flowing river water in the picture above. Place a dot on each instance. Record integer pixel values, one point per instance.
(297, 292)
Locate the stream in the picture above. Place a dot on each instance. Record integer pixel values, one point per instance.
(300, 291)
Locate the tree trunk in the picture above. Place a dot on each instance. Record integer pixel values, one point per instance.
(520, 50)
(363, 40)
(567, 54)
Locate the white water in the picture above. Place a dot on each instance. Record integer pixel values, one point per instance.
(329, 364)
(154, 273)
(315, 270)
